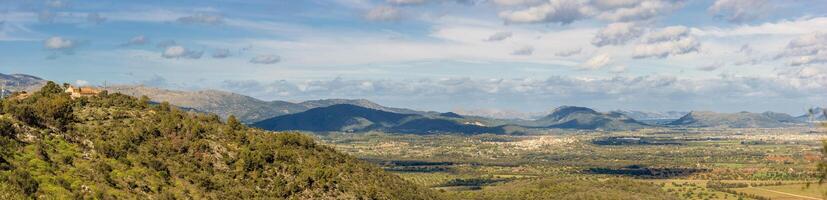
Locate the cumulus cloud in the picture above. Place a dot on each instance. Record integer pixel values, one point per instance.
(81, 82)
(617, 34)
(500, 36)
(806, 49)
(221, 53)
(634, 10)
(265, 59)
(597, 62)
(95, 18)
(178, 51)
(523, 51)
(383, 13)
(59, 43)
(739, 11)
(570, 52)
(673, 40)
(554, 11)
(203, 18)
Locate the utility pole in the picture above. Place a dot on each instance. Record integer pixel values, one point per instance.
(3, 90)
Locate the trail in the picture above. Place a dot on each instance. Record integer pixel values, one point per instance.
(784, 193)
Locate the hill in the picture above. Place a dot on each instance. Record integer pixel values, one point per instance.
(114, 146)
(734, 120)
(20, 82)
(645, 115)
(245, 108)
(353, 118)
(572, 117)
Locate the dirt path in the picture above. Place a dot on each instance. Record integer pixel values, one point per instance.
(784, 193)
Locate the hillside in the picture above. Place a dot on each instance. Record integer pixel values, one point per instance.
(352, 118)
(113, 146)
(734, 120)
(572, 117)
(20, 82)
(245, 108)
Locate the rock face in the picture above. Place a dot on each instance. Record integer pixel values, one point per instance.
(572, 117)
(353, 118)
(643, 115)
(734, 120)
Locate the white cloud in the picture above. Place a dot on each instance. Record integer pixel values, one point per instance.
(674, 40)
(81, 82)
(740, 10)
(59, 43)
(806, 49)
(597, 62)
(554, 11)
(46, 16)
(265, 59)
(636, 10)
(617, 34)
(383, 13)
(711, 67)
(499, 36)
(178, 51)
(406, 1)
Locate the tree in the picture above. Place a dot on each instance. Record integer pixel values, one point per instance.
(144, 101)
(50, 88)
(234, 123)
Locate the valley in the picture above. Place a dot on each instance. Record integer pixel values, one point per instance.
(758, 163)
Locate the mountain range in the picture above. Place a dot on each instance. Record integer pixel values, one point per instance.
(353, 118)
(247, 109)
(364, 115)
(735, 120)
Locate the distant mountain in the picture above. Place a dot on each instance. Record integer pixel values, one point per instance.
(735, 120)
(20, 82)
(819, 114)
(451, 115)
(644, 115)
(572, 117)
(353, 118)
(246, 109)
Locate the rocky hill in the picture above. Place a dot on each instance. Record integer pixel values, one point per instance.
(114, 146)
(734, 120)
(20, 82)
(572, 117)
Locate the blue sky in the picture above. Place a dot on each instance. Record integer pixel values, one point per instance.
(444, 55)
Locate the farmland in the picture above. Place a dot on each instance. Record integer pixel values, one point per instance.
(686, 163)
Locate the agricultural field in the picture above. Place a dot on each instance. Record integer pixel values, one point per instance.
(685, 163)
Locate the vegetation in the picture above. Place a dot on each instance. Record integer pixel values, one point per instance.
(113, 146)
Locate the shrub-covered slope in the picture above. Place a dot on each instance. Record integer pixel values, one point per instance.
(118, 147)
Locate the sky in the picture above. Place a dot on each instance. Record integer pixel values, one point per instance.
(480, 56)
